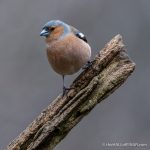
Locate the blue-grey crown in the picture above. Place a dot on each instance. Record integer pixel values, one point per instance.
(54, 23)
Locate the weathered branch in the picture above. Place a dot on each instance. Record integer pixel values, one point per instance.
(108, 71)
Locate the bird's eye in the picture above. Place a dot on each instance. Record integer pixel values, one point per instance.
(52, 28)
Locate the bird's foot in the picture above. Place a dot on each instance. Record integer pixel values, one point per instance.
(65, 90)
(87, 65)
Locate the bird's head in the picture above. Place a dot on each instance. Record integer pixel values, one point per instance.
(54, 29)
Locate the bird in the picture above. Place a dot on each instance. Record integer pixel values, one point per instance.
(67, 48)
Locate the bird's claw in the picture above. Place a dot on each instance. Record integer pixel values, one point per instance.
(87, 65)
(65, 90)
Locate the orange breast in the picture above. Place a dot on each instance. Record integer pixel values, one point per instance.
(68, 55)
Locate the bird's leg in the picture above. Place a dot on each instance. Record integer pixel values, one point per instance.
(64, 87)
(87, 65)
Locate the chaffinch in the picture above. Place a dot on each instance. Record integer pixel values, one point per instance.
(67, 48)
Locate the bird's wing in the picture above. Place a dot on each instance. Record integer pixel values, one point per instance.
(78, 34)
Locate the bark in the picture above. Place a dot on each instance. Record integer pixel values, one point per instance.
(110, 68)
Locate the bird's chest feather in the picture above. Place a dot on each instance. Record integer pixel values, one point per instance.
(67, 56)
(62, 50)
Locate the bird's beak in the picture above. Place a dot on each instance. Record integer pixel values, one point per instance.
(44, 33)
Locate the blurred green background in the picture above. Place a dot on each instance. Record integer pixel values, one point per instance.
(28, 84)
